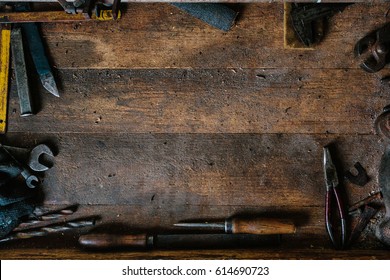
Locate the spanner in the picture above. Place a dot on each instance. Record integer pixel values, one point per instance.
(13, 164)
(36, 155)
(33, 163)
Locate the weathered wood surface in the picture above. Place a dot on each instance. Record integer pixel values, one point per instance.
(209, 101)
(242, 81)
(156, 36)
(268, 254)
(162, 118)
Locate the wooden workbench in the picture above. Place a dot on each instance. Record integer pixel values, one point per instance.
(163, 118)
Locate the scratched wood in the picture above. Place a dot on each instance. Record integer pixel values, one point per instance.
(162, 118)
(164, 178)
(162, 36)
(272, 254)
(208, 100)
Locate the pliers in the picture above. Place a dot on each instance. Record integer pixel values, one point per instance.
(332, 192)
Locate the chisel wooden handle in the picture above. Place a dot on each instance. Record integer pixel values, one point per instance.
(259, 226)
(107, 241)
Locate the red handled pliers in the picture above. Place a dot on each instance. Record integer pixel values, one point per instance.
(332, 192)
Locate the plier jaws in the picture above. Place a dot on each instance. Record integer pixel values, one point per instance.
(333, 193)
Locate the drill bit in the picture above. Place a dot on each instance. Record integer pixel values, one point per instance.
(44, 231)
(36, 221)
(47, 209)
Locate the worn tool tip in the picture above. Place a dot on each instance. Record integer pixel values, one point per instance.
(179, 225)
(49, 84)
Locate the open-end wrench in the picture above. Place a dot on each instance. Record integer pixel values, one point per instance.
(36, 155)
(32, 157)
(31, 179)
(361, 178)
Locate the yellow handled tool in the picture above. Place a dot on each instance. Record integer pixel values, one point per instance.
(4, 69)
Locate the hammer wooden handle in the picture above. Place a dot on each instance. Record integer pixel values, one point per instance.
(107, 241)
(259, 226)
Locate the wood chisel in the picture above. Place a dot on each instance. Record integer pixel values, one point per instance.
(4, 70)
(104, 241)
(21, 72)
(37, 51)
(31, 33)
(244, 225)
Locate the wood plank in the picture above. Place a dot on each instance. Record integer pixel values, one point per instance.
(198, 169)
(162, 36)
(270, 254)
(180, 121)
(207, 101)
(154, 180)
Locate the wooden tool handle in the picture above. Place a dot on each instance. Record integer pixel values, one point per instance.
(107, 241)
(261, 226)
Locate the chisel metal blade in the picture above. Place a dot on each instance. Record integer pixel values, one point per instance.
(35, 45)
(215, 14)
(21, 72)
(37, 51)
(49, 83)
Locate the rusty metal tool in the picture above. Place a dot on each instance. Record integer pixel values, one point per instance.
(35, 158)
(38, 159)
(79, 10)
(12, 167)
(41, 218)
(21, 77)
(382, 123)
(361, 178)
(244, 225)
(215, 14)
(367, 213)
(371, 198)
(17, 168)
(308, 20)
(52, 229)
(5, 44)
(332, 192)
(37, 52)
(104, 241)
(374, 48)
(116, 9)
(42, 221)
(383, 229)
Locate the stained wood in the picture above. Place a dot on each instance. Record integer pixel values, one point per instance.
(162, 36)
(272, 254)
(162, 118)
(208, 101)
(150, 181)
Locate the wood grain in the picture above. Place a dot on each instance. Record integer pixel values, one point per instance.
(272, 254)
(207, 101)
(162, 118)
(162, 36)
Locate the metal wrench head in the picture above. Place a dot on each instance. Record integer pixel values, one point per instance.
(35, 157)
(32, 181)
